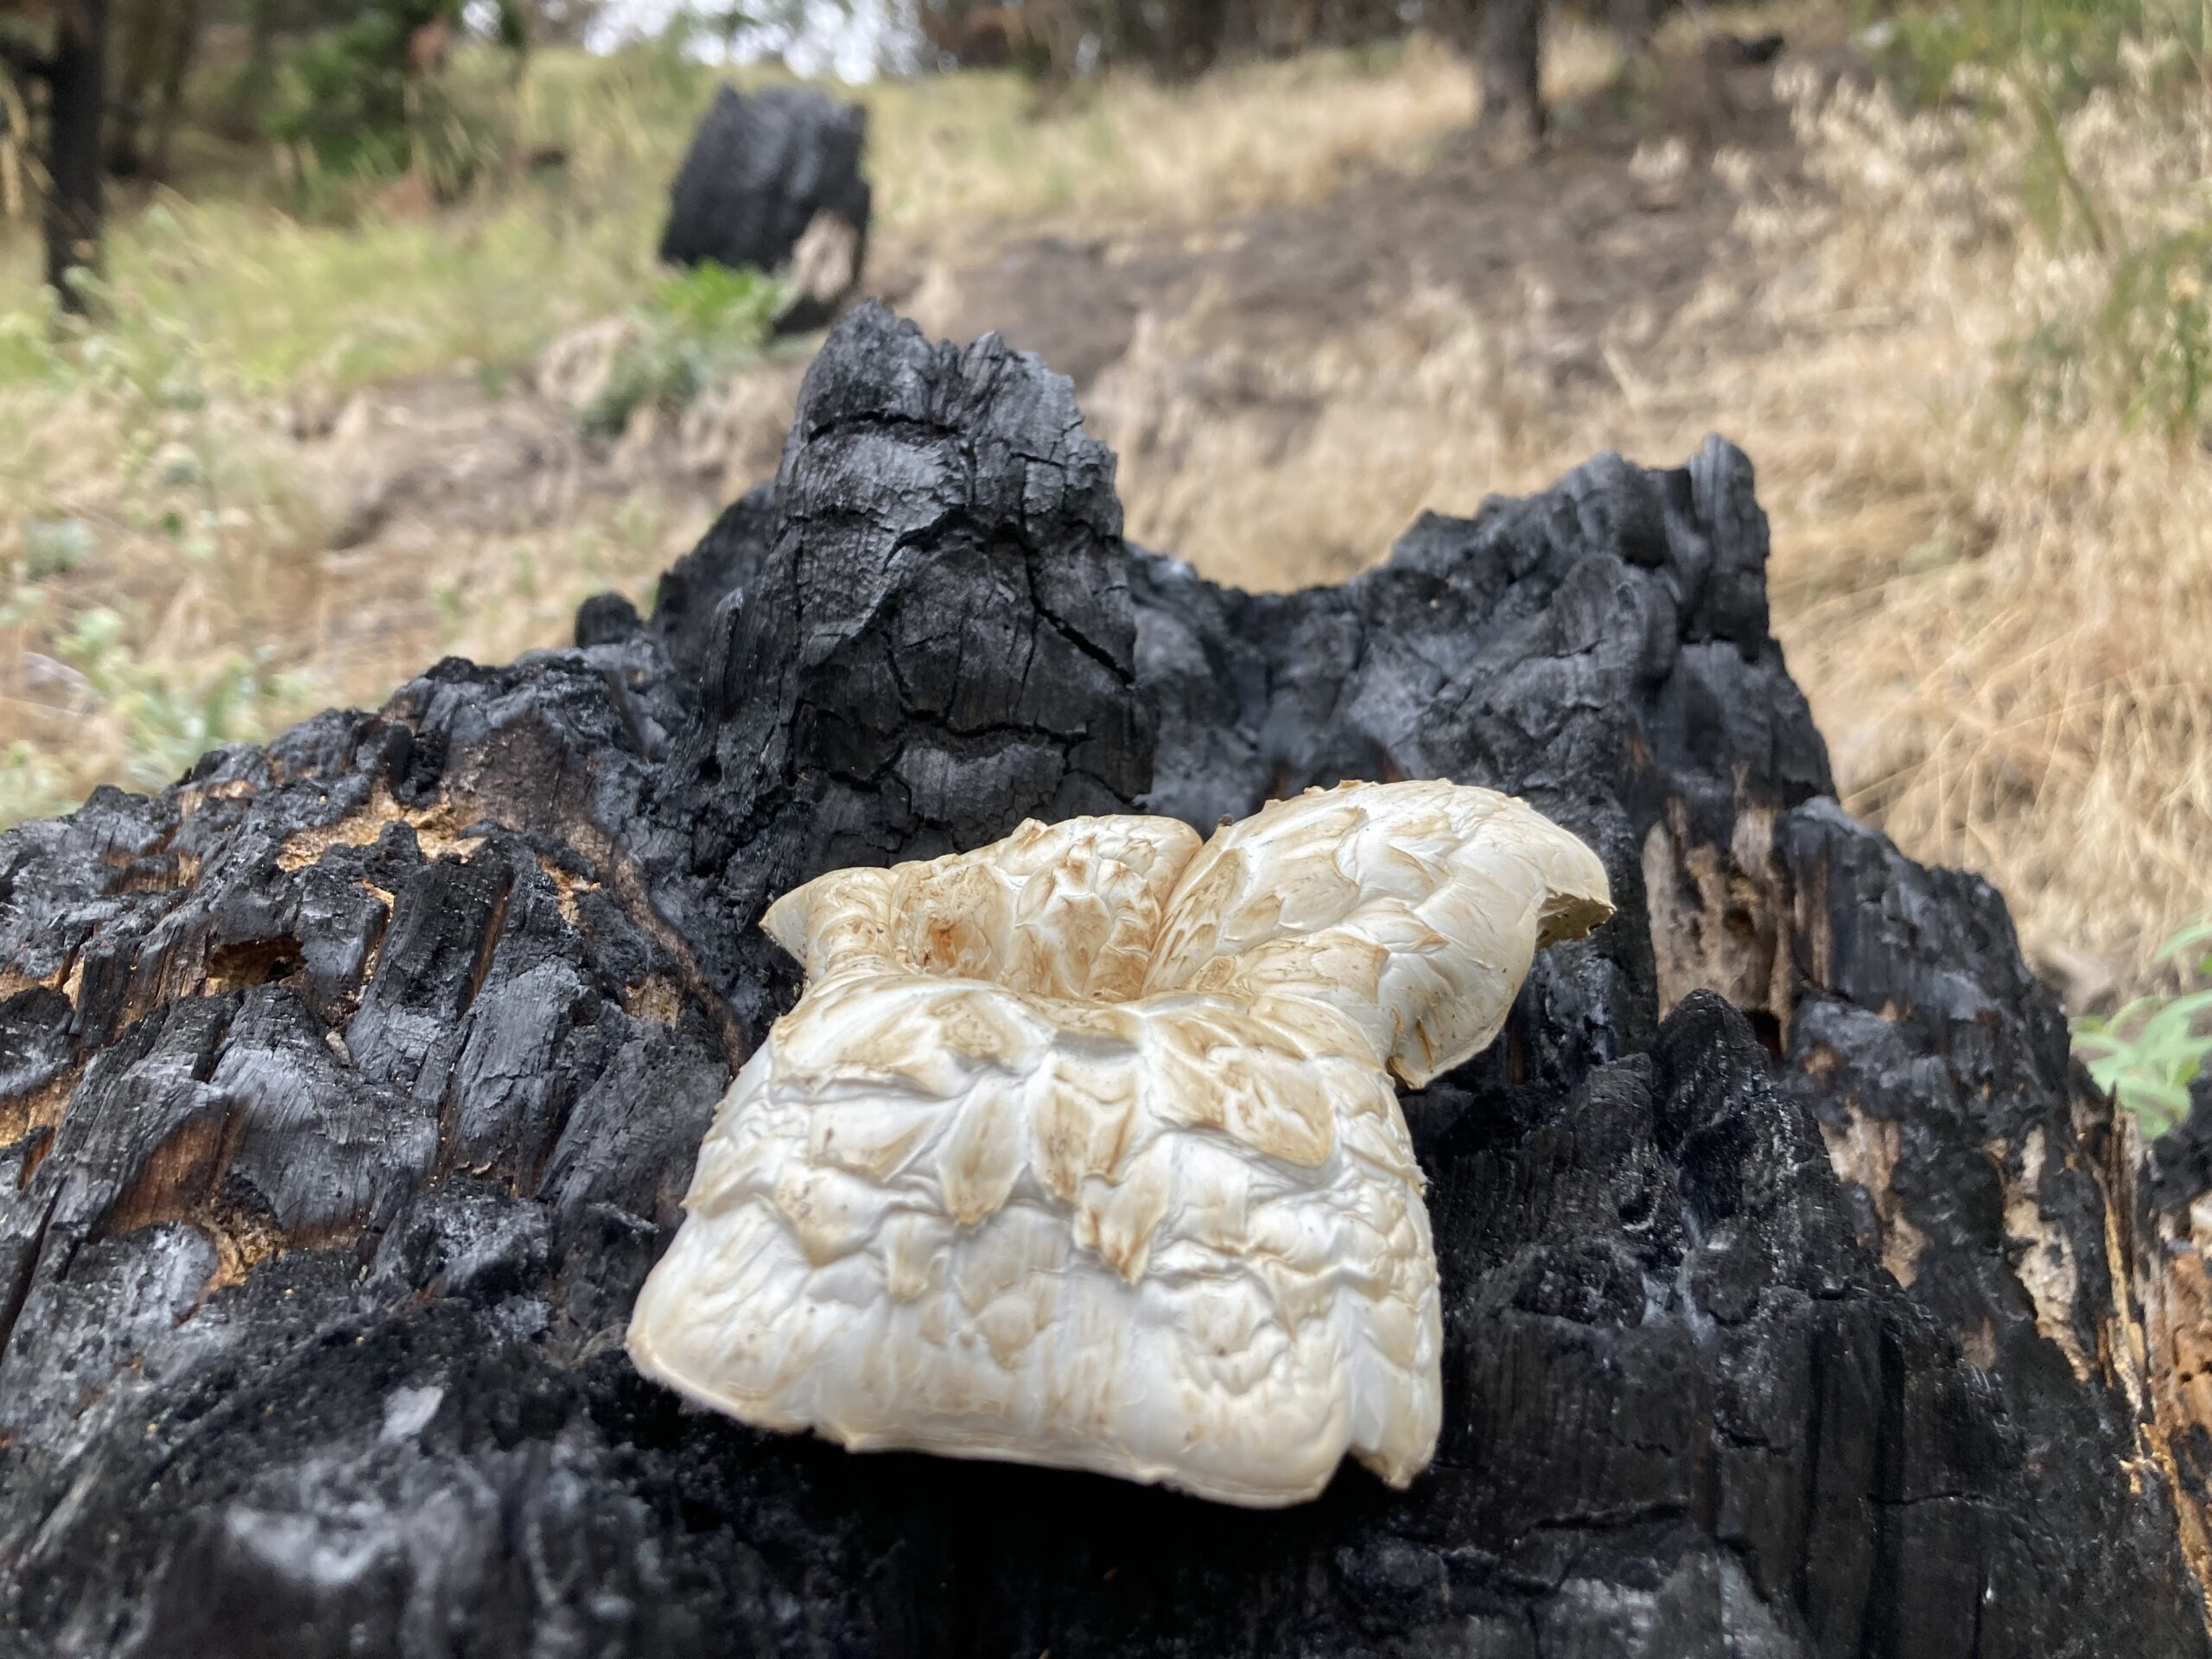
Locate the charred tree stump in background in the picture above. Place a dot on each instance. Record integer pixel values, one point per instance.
(772, 180)
(76, 80)
(348, 1090)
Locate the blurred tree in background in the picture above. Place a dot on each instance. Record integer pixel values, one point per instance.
(98, 88)
(1062, 39)
(341, 92)
(363, 95)
(1059, 40)
(154, 48)
(56, 55)
(348, 90)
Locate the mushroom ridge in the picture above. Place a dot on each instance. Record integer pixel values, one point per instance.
(1082, 1148)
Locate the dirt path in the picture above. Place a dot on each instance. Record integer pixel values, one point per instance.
(1286, 391)
(1580, 225)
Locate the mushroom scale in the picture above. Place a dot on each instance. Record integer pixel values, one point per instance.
(1082, 1149)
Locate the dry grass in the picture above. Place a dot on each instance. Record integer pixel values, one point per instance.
(2004, 619)
(170, 486)
(960, 153)
(2028, 680)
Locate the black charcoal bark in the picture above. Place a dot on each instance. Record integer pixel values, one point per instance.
(348, 1090)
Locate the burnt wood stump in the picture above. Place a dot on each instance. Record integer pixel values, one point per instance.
(1801, 1298)
(772, 181)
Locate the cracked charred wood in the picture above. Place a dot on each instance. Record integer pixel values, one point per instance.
(1799, 1297)
(772, 181)
(2164, 1233)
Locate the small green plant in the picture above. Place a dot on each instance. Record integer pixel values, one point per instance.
(2144, 354)
(31, 786)
(352, 104)
(2158, 331)
(695, 329)
(53, 547)
(2150, 1052)
(170, 725)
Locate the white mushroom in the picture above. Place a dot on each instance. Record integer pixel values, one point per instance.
(1082, 1148)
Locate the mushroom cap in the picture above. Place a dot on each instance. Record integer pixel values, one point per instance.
(1414, 909)
(1082, 1148)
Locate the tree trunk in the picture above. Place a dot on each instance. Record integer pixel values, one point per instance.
(77, 99)
(240, 115)
(1191, 38)
(186, 19)
(348, 1090)
(1509, 37)
(136, 47)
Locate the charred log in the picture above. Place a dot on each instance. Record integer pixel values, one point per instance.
(349, 1089)
(772, 181)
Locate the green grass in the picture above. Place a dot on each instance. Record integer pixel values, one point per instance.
(173, 724)
(2066, 48)
(263, 270)
(270, 288)
(694, 329)
(31, 785)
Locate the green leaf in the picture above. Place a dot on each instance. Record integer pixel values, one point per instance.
(2166, 1100)
(2196, 933)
